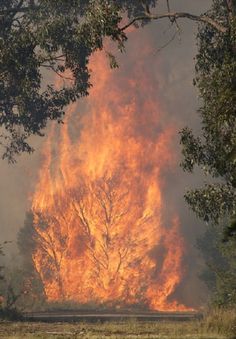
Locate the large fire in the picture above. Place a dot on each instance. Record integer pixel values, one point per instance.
(98, 204)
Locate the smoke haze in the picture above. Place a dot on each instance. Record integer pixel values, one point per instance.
(172, 71)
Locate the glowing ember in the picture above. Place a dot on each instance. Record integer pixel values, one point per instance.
(98, 204)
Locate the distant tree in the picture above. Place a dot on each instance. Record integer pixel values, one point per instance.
(8, 295)
(2, 254)
(1, 267)
(38, 36)
(20, 286)
(220, 271)
(1, 276)
(25, 280)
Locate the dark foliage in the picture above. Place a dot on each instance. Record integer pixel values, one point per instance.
(215, 149)
(220, 272)
(10, 314)
(43, 37)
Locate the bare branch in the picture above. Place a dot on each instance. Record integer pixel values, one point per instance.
(146, 7)
(168, 42)
(177, 15)
(168, 5)
(82, 218)
(230, 5)
(58, 73)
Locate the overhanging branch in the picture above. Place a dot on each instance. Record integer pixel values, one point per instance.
(177, 15)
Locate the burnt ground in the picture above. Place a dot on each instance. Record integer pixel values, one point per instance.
(88, 316)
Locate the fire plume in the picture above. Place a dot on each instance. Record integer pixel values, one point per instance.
(98, 205)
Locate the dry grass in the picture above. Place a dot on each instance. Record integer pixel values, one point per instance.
(221, 321)
(217, 324)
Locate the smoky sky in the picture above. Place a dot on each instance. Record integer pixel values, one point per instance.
(173, 70)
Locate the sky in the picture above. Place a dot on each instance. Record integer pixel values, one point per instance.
(172, 68)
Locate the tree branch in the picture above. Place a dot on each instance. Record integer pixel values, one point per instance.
(58, 73)
(168, 42)
(177, 15)
(168, 5)
(231, 6)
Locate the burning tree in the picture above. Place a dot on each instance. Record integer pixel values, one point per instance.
(99, 230)
(90, 231)
(96, 246)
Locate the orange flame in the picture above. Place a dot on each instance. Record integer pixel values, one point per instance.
(98, 203)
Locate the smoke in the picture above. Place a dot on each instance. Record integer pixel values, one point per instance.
(171, 70)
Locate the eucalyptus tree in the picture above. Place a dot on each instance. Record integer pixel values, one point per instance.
(37, 36)
(214, 151)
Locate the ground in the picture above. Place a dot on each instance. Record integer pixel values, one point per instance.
(128, 329)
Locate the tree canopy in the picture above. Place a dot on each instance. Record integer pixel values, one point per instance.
(215, 149)
(37, 36)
